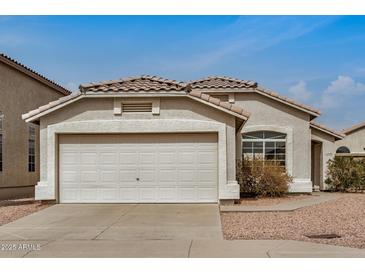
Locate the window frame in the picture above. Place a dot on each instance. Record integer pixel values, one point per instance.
(32, 136)
(264, 141)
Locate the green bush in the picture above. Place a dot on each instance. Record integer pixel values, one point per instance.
(346, 174)
(262, 178)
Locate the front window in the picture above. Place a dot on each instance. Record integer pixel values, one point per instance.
(343, 149)
(266, 146)
(31, 148)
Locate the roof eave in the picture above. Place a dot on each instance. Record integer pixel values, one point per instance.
(353, 128)
(337, 136)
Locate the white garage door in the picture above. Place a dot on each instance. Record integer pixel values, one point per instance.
(131, 168)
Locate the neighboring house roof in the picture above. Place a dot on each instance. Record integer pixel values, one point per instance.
(327, 130)
(353, 128)
(218, 82)
(160, 84)
(33, 74)
(135, 84)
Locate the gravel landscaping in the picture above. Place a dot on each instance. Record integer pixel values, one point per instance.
(12, 210)
(344, 216)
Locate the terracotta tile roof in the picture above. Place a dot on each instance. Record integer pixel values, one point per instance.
(35, 75)
(327, 130)
(51, 105)
(215, 101)
(353, 128)
(218, 82)
(136, 84)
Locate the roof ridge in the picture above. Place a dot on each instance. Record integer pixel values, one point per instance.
(228, 78)
(132, 78)
(16, 64)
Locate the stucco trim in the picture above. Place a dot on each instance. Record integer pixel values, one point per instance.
(34, 115)
(289, 140)
(47, 189)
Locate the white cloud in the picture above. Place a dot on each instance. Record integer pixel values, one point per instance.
(248, 35)
(339, 89)
(300, 92)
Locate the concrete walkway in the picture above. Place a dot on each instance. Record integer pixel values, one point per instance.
(314, 199)
(117, 222)
(115, 230)
(180, 249)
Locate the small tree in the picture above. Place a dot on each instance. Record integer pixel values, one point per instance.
(346, 174)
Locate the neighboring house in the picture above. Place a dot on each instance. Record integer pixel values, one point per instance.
(148, 139)
(21, 90)
(354, 141)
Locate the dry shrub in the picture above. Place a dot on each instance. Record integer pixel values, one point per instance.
(262, 178)
(346, 174)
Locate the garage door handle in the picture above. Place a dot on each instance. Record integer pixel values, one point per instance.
(137, 179)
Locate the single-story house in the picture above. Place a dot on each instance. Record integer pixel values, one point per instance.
(21, 90)
(153, 140)
(353, 143)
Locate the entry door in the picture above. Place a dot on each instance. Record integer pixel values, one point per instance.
(138, 168)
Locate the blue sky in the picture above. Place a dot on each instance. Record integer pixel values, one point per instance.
(318, 60)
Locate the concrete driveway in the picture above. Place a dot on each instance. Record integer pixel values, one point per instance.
(160, 230)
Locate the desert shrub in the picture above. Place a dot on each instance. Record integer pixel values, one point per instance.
(346, 174)
(262, 178)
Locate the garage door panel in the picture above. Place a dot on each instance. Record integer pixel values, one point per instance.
(206, 157)
(187, 157)
(147, 194)
(147, 176)
(108, 194)
(108, 158)
(89, 176)
(128, 176)
(187, 194)
(107, 176)
(128, 194)
(167, 176)
(70, 195)
(88, 194)
(70, 157)
(170, 168)
(71, 177)
(206, 193)
(87, 158)
(187, 176)
(130, 158)
(167, 193)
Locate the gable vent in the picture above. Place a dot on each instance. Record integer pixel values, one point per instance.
(137, 107)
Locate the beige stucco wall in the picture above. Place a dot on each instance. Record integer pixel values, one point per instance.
(178, 111)
(268, 114)
(19, 94)
(355, 141)
(327, 152)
